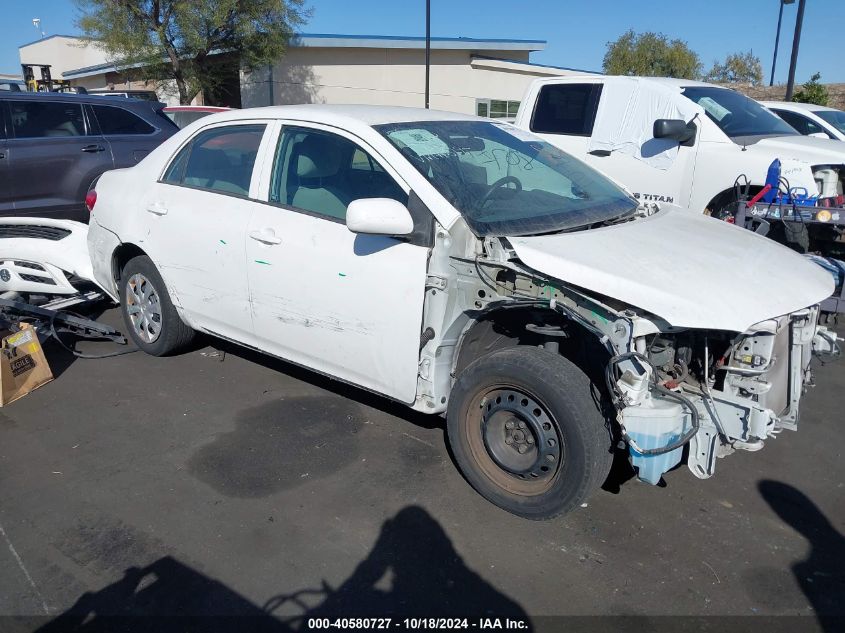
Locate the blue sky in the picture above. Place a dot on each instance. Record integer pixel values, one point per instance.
(576, 31)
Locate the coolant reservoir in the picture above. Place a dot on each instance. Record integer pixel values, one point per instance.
(656, 423)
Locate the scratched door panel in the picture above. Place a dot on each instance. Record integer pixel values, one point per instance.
(344, 304)
(198, 247)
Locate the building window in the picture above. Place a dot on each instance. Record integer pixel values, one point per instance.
(496, 108)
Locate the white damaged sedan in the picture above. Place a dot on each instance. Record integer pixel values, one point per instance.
(464, 266)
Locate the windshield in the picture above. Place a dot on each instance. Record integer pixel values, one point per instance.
(505, 181)
(835, 117)
(737, 115)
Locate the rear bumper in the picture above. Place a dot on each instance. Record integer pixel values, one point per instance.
(102, 245)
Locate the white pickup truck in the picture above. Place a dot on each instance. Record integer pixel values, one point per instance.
(676, 140)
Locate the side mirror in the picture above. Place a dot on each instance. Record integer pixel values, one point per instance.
(676, 130)
(819, 135)
(379, 216)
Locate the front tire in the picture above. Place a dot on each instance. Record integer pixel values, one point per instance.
(151, 320)
(527, 432)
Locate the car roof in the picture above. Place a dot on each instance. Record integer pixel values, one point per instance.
(800, 107)
(72, 96)
(193, 108)
(665, 81)
(683, 83)
(367, 115)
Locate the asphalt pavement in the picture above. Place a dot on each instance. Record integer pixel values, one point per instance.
(222, 482)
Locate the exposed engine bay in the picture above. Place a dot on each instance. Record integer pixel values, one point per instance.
(722, 392)
(678, 392)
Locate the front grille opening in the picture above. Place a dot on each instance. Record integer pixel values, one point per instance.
(54, 233)
(40, 280)
(30, 265)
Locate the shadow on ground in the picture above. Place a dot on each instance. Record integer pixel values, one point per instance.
(413, 570)
(821, 575)
(341, 389)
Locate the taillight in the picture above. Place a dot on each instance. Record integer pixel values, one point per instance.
(91, 200)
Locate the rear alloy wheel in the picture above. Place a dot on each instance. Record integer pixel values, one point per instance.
(527, 433)
(143, 308)
(152, 321)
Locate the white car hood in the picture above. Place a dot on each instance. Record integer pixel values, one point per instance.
(815, 151)
(689, 269)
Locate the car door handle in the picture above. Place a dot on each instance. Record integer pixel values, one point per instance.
(157, 208)
(93, 149)
(265, 236)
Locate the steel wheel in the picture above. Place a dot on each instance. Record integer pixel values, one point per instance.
(515, 440)
(143, 308)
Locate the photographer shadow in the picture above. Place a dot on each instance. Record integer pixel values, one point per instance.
(412, 571)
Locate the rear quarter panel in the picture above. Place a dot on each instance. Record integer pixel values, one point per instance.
(120, 216)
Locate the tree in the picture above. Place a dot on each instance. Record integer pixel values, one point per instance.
(196, 43)
(812, 91)
(738, 68)
(651, 54)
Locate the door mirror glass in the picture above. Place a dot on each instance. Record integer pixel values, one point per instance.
(379, 216)
(676, 130)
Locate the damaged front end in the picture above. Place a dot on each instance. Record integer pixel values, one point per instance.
(681, 392)
(42, 256)
(713, 390)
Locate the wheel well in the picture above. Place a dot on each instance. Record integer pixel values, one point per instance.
(727, 197)
(507, 327)
(123, 254)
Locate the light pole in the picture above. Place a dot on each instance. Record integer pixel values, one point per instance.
(796, 40)
(36, 22)
(777, 38)
(427, 48)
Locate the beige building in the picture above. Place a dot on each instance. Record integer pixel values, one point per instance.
(482, 76)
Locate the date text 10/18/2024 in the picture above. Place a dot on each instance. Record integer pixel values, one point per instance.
(417, 623)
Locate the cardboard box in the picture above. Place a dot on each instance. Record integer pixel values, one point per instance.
(23, 366)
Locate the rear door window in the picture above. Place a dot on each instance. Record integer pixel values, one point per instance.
(220, 159)
(40, 119)
(114, 120)
(566, 109)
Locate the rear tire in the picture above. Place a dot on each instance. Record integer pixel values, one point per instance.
(151, 320)
(527, 432)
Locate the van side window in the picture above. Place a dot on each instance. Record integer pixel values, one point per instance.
(38, 119)
(566, 109)
(114, 120)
